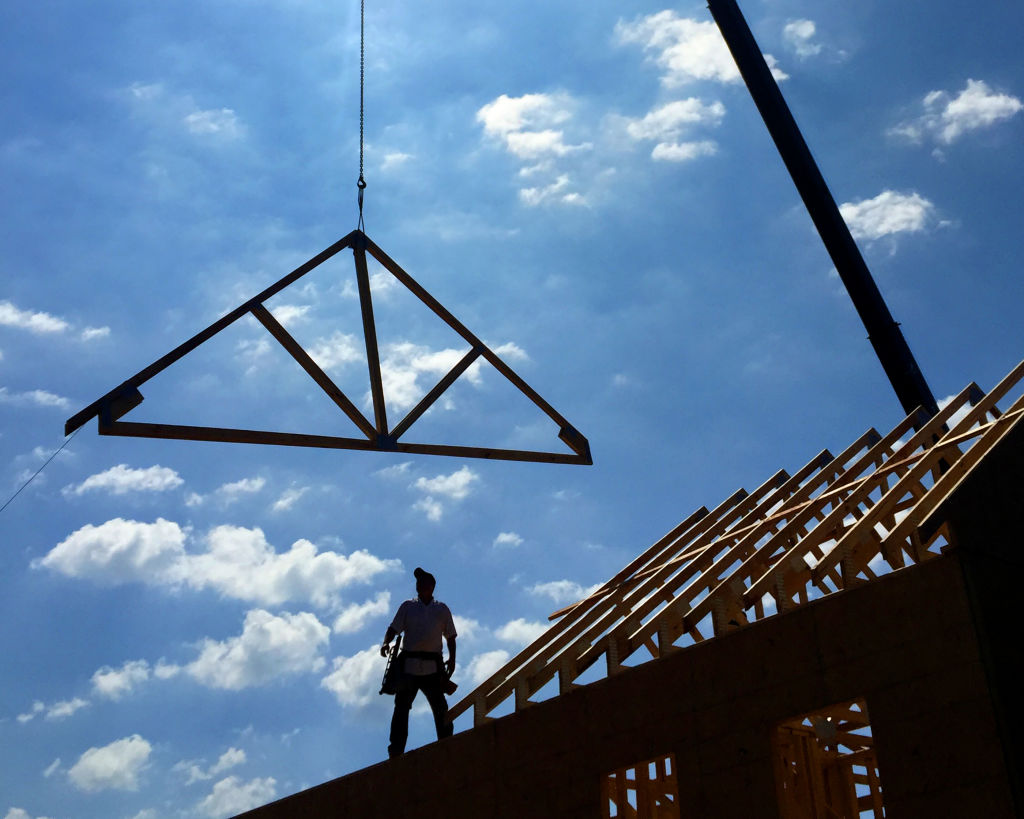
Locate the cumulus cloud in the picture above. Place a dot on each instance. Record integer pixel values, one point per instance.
(453, 487)
(114, 683)
(799, 36)
(232, 796)
(269, 646)
(121, 479)
(33, 398)
(669, 120)
(531, 128)
(946, 118)
(354, 680)
(505, 539)
(245, 486)
(354, 618)
(562, 591)
(93, 333)
(336, 351)
(290, 313)
(117, 765)
(887, 214)
(667, 124)
(686, 50)
(520, 631)
(484, 665)
(120, 551)
(236, 562)
(33, 321)
(288, 499)
(55, 711)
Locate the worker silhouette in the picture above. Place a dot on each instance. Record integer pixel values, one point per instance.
(424, 621)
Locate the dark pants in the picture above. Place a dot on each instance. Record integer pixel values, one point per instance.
(430, 685)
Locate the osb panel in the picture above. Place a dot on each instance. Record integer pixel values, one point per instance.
(714, 706)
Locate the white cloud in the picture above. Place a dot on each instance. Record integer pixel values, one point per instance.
(685, 49)
(52, 768)
(395, 470)
(482, 666)
(507, 539)
(120, 551)
(887, 214)
(219, 122)
(65, 708)
(288, 499)
(454, 487)
(268, 647)
(467, 628)
(116, 765)
(947, 118)
(555, 192)
(34, 322)
(33, 398)
(231, 758)
(506, 115)
(355, 681)
(527, 127)
(562, 591)
(521, 631)
(670, 120)
(536, 144)
(430, 507)
(232, 796)
(92, 333)
(799, 36)
(120, 480)
(240, 563)
(336, 351)
(354, 618)
(683, 151)
(290, 313)
(114, 683)
(237, 562)
(245, 486)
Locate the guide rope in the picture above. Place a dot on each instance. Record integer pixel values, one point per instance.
(361, 183)
(36, 473)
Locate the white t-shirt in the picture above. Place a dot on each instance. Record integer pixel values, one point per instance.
(424, 625)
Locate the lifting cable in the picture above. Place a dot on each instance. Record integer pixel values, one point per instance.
(36, 473)
(361, 183)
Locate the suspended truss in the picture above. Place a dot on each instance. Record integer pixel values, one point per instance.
(377, 434)
(840, 521)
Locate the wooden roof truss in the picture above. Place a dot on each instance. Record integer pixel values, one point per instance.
(377, 434)
(838, 522)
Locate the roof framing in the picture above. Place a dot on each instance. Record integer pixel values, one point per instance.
(838, 522)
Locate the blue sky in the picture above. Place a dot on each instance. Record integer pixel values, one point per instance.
(190, 629)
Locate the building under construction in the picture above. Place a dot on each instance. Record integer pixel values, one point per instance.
(837, 642)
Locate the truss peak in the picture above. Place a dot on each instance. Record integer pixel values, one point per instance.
(377, 430)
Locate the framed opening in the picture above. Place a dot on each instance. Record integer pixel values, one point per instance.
(825, 765)
(647, 790)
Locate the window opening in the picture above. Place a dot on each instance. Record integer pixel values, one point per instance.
(826, 767)
(646, 790)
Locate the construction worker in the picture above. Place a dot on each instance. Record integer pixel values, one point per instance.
(424, 621)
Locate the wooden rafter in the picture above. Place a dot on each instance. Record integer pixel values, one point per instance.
(110, 408)
(837, 522)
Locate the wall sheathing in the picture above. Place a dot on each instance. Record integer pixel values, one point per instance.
(906, 643)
